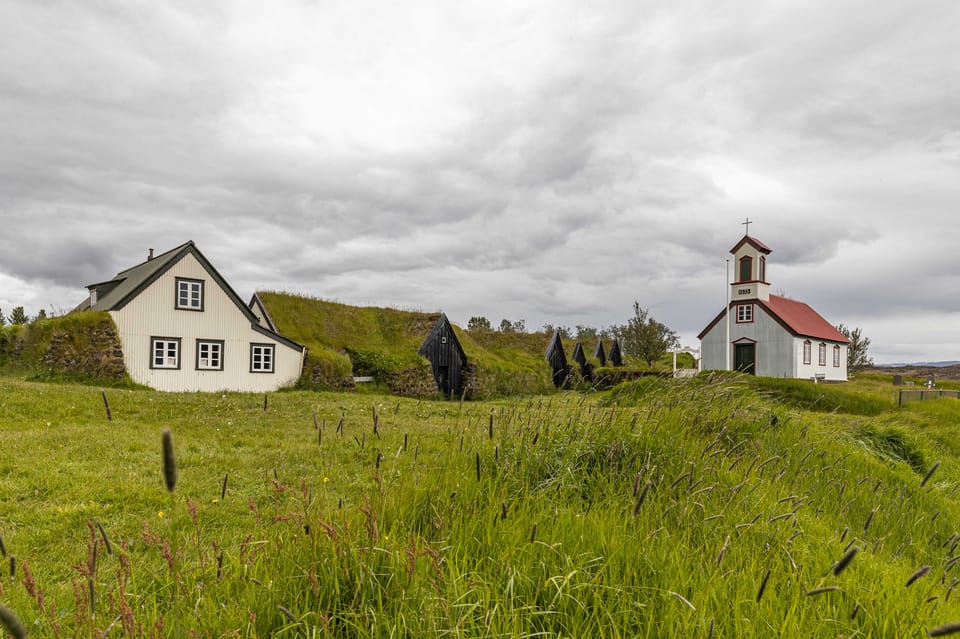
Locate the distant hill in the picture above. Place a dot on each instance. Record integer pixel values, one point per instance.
(951, 362)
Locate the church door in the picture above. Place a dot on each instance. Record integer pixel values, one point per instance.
(745, 358)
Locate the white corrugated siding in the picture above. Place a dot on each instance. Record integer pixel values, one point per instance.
(152, 314)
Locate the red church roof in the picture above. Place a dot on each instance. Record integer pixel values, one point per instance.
(796, 317)
(802, 320)
(760, 246)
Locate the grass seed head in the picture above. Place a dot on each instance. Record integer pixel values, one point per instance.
(929, 474)
(917, 575)
(841, 565)
(763, 585)
(11, 623)
(169, 461)
(944, 630)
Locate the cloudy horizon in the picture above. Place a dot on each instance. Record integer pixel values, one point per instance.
(546, 161)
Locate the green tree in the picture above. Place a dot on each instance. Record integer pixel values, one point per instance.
(857, 356)
(18, 316)
(479, 323)
(644, 337)
(3, 320)
(587, 333)
(506, 326)
(41, 315)
(550, 328)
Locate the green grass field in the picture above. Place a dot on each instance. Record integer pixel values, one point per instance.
(720, 506)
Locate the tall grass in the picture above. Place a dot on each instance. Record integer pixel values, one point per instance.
(661, 509)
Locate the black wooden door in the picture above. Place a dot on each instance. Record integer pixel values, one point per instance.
(443, 379)
(745, 358)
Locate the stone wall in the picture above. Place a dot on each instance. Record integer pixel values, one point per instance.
(96, 355)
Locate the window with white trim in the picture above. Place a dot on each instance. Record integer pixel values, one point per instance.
(744, 313)
(823, 354)
(165, 352)
(836, 356)
(261, 358)
(209, 355)
(189, 294)
(807, 348)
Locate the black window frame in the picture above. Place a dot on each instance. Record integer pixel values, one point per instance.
(272, 348)
(217, 342)
(189, 280)
(153, 349)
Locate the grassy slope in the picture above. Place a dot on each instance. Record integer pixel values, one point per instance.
(374, 340)
(508, 362)
(655, 510)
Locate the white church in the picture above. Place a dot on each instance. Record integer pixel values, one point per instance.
(769, 335)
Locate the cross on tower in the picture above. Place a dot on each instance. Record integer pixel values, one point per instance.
(747, 224)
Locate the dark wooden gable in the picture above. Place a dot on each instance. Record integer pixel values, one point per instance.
(599, 353)
(557, 359)
(446, 356)
(616, 357)
(580, 358)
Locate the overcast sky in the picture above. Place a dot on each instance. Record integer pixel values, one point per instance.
(547, 161)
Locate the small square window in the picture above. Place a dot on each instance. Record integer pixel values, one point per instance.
(261, 358)
(165, 352)
(189, 294)
(209, 355)
(744, 313)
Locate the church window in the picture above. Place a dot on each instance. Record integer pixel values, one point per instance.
(822, 353)
(807, 346)
(746, 266)
(744, 313)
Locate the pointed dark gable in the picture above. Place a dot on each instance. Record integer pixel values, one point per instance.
(578, 355)
(555, 354)
(446, 356)
(599, 353)
(616, 357)
(581, 359)
(557, 359)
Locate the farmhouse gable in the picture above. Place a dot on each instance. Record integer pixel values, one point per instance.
(183, 328)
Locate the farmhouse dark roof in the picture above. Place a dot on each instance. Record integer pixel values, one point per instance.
(798, 318)
(116, 293)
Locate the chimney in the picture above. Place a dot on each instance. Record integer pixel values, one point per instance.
(150, 255)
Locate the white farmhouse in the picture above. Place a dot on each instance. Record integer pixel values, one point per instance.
(770, 335)
(182, 328)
